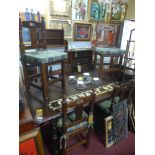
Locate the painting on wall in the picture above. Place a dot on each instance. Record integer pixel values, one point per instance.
(106, 34)
(79, 9)
(62, 24)
(97, 10)
(118, 10)
(82, 32)
(60, 8)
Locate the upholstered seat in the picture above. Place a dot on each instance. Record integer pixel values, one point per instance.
(71, 117)
(104, 105)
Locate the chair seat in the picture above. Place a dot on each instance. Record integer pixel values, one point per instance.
(71, 117)
(104, 105)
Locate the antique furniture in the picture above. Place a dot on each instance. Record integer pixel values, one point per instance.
(31, 143)
(111, 109)
(79, 53)
(29, 39)
(116, 56)
(78, 123)
(53, 37)
(42, 58)
(102, 91)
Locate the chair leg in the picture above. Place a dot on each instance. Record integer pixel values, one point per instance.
(64, 151)
(88, 137)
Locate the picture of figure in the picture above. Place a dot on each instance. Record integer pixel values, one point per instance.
(98, 9)
(79, 9)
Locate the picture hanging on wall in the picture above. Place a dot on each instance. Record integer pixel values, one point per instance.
(62, 24)
(118, 10)
(82, 32)
(107, 34)
(79, 9)
(97, 10)
(60, 8)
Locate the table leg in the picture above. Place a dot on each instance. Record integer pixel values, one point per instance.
(54, 137)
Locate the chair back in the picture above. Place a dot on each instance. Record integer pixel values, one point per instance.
(78, 106)
(32, 31)
(122, 90)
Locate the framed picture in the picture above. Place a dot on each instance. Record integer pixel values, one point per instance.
(118, 11)
(60, 8)
(79, 9)
(109, 138)
(82, 32)
(62, 24)
(97, 10)
(31, 143)
(107, 34)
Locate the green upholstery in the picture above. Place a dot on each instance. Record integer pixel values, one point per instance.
(110, 50)
(73, 116)
(107, 103)
(44, 56)
(75, 127)
(59, 122)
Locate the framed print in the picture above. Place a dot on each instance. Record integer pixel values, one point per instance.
(82, 32)
(118, 10)
(31, 143)
(109, 138)
(79, 9)
(97, 10)
(62, 24)
(107, 34)
(60, 8)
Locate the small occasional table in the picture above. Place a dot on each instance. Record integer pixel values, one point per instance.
(109, 52)
(43, 59)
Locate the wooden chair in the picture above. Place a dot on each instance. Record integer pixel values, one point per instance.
(40, 57)
(32, 30)
(106, 109)
(78, 123)
(121, 91)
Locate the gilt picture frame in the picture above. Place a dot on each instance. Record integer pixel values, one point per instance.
(82, 32)
(109, 137)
